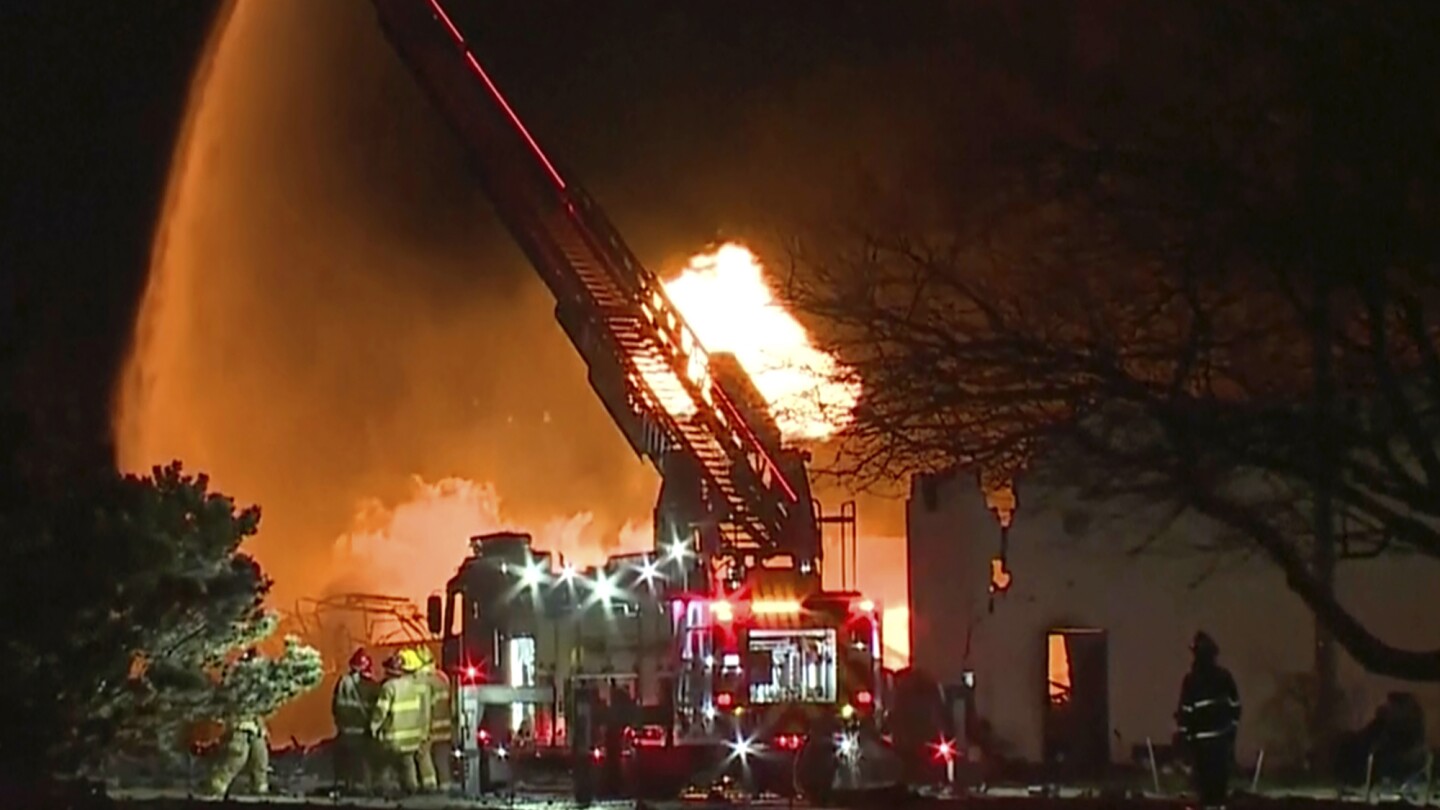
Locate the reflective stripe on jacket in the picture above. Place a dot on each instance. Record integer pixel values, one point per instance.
(399, 720)
(350, 705)
(250, 725)
(439, 687)
(1209, 704)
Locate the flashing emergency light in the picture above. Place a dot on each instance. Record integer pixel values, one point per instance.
(472, 672)
(847, 711)
(533, 574)
(741, 748)
(723, 611)
(848, 745)
(774, 607)
(866, 606)
(789, 742)
(501, 752)
(649, 571)
(864, 698)
(724, 700)
(597, 754)
(679, 550)
(605, 587)
(567, 573)
(946, 752)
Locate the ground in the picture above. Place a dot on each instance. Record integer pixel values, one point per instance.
(993, 799)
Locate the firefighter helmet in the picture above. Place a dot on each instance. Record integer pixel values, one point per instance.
(427, 659)
(360, 661)
(1203, 646)
(409, 661)
(393, 666)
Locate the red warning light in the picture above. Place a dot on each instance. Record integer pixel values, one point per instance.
(864, 698)
(724, 700)
(944, 750)
(789, 742)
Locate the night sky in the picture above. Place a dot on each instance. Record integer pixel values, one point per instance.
(358, 316)
(366, 320)
(95, 93)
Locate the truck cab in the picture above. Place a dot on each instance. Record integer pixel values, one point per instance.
(523, 634)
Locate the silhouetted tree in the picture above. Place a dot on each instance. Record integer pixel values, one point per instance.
(123, 599)
(1222, 296)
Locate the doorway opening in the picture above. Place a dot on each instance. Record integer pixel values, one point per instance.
(1076, 734)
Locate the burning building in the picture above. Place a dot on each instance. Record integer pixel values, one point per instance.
(1077, 635)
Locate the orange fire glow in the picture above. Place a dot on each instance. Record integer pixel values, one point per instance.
(1058, 665)
(302, 345)
(415, 546)
(895, 631)
(724, 296)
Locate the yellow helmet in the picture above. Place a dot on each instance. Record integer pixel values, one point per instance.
(409, 661)
(427, 659)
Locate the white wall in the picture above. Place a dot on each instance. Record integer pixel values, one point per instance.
(1151, 604)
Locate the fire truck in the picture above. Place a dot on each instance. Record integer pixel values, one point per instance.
(723, 639)
(698, 680)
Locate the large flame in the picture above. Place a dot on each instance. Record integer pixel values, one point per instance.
(414, 546)
(724, 296)
(298, 339)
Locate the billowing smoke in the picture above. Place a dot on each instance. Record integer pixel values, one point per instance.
(336, 328)
(332, 310)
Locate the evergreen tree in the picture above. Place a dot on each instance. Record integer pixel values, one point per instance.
(125, 602)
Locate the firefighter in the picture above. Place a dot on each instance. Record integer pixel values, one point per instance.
(438, 754)
(350, 706)
(412, 662)
(398, 722)
(245, 749)
(1209, 717)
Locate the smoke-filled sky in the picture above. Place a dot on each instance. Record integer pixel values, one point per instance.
(335, 326)
(333, 312)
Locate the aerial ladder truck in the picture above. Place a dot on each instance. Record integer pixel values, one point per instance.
(724, 637)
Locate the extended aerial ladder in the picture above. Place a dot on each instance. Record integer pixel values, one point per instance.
(726, 478)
